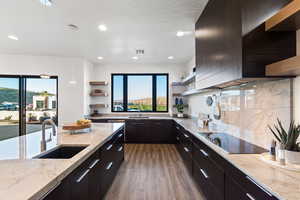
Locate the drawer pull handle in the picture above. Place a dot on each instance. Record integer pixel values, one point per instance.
(120, 135)
(250, 196)
(204, 173)
(186, 149)
(120, 149)
(263, 189)
(94, 164)
(109, 147)
(109, 165)
(82, 176)
(186, 136)
(204, 153)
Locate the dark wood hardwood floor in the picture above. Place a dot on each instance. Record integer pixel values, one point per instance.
(153, 172)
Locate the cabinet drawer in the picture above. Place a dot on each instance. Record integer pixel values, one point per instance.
(186, 157)
(202, 178)
(215, 173)
(185, 140)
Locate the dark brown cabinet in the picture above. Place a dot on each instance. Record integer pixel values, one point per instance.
(149, 131)
(93, 177)
(60, 191)
(217, 178)
(232, 44)
(184, 147)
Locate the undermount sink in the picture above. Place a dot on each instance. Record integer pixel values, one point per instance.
(61, 152)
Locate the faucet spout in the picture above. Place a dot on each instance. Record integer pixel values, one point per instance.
(47, 122)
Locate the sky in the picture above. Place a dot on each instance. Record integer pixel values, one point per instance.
(139, 87)
(33, 84)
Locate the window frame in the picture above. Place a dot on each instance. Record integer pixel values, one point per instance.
(22, 97)
(125, 91)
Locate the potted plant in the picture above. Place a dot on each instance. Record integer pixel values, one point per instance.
(180, 109)
(288, 140)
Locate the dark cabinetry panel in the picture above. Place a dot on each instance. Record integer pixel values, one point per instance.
(93, 177)
(218, 43)
(217, 178)
(232, 44)
(149, 131)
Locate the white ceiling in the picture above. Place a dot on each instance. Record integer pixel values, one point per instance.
(132, 24)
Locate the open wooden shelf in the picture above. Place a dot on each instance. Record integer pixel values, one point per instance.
(287, 19)
(288, 67)
(176, 94)
(98, 95)
(98, 83)
(185, 81)
(100, 105)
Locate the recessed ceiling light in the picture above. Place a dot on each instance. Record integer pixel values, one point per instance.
(13, 37)
(46, 2)
(135, 58)
(100, 58)
(171, 57)
(102, 27)
(180, 34)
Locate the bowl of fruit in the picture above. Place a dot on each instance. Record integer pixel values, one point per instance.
(79, 125)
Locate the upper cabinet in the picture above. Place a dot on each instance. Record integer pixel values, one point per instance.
(232, 44)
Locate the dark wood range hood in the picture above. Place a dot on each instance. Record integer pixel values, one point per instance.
(232, 45)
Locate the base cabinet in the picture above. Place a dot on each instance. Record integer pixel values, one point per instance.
(149, 131)
(92, 179)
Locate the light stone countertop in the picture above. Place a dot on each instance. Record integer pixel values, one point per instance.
(32, 177)
(25, 178)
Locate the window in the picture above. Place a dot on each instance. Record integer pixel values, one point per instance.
(39, 104)
(25, 102)
(140, 92)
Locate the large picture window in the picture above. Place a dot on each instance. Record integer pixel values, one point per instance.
(140, 92)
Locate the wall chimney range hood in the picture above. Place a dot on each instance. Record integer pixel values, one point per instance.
(232, 45)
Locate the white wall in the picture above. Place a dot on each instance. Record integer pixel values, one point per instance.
(72, 102)
(102, 72)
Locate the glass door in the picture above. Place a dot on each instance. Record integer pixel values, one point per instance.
(41, 102)
(9, 107)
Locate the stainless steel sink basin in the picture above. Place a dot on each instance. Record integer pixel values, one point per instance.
(61, 152)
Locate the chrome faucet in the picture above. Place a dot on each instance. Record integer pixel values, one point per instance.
(44, 141)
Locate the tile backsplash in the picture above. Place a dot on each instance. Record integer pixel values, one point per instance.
(246, 111)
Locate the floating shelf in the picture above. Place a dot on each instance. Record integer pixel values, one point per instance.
(196, 91)
(176, 94)
(288, 67)
(185, 81)
(98, 95)
(98, 105)
(98, 83)
(287, 19)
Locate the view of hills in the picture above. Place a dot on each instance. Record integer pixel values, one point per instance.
(12, 95)
(148, 101)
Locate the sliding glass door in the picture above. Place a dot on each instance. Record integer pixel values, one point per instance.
(41, 102)
(25, 102)
(9, 107)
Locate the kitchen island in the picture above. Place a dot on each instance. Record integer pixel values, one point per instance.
(23, 177)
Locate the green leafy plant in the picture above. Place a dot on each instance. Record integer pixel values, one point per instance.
(180, 108)
(288, 138)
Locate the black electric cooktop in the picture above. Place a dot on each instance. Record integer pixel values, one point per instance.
(233, 145)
